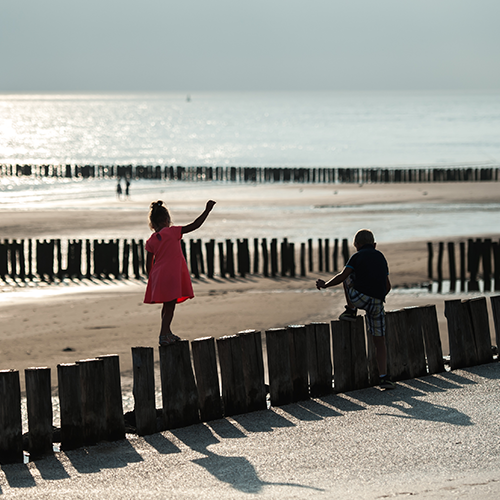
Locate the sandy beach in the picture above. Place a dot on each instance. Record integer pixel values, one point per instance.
(43, 325)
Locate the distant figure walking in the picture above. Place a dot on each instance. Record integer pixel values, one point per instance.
(169, 281)
(119, 189)
(366, 283)
(127, 187)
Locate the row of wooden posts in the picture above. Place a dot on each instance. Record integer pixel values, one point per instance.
(20, 259)
(303, 361)
(477, 257)
(261, 174)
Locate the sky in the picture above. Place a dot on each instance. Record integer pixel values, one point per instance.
(257, 45)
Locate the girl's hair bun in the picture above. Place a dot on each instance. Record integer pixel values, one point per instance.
(156, 204)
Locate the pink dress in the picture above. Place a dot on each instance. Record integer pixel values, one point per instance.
(169, 278)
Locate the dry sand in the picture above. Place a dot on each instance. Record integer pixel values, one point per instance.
(37, 329)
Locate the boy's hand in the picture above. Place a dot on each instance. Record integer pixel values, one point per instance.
(320, 284)
(210, 205)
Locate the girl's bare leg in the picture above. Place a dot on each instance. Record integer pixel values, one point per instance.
(167, 314)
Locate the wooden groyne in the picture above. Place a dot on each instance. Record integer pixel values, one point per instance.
(78, 259)
(302, 361)
(468, 262)
(340, 175)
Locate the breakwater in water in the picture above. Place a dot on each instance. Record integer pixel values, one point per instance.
(361, 175)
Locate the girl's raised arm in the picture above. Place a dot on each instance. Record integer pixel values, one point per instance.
(197, 223)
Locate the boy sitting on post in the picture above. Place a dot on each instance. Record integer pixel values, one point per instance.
(366, 283)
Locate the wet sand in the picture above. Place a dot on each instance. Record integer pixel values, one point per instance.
(57, 324)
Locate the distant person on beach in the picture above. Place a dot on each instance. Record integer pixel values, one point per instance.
(119, 189)
(366, 283)
(169, 281)
(127, 188)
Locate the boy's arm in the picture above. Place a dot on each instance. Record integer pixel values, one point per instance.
(200, 219)
(336, 280)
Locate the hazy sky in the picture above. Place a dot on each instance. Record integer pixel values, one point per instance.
(187, 45)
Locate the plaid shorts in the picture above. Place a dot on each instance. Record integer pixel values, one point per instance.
(375, 313)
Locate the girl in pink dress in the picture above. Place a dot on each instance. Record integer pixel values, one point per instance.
(169, 281)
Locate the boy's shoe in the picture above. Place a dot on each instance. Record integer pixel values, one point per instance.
(348, 315)
(386, 383)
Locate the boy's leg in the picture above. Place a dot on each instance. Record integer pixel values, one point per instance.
(350, 309)
(350, 305)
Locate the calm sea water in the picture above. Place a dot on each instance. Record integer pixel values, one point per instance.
(252, 129)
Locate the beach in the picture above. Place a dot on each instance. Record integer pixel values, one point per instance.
(43, 325)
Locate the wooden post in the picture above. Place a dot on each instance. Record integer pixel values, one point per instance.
(255, 256)
(278, 362)
(463, 275)
(231, 371)
(460, 334)
(230, 259)
(452, 266)
(495, 307)
(327, 255)
(210, 249)
(222, 264)
(39, 403)
(415, 354)
(274, 257)
(345, 250)
(253, 369)
(310, 253)
(336, 255)
(11, 428)
(302, 259)
(265, 258)
(496, 261)
(207, 379)
(440, 262)
(486, 254)
(395, 338)
(473, 261)
(93, 400)
(70, 402)
(178, 387)
(481, 328)
(350, 368)
(144, 390)
(432, 339)
(115, 423)
(298, 361)
(319, 359)
(320, 255)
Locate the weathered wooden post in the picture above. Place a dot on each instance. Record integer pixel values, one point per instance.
(11, 428)
(395, 339)
(115, 423)
(481, 328)
(350, 368)
(473, 261)
(302, 259)
(336, 255)
(345, 250)
(298, 361)
(463, 275)
(495, 307)
(285, 264)
(327, 255)
(93, 400)
(207, 379)
(320, 255)
(256, 256)
(310, 254)
(430, 256)
(70, 402)
(39, 403)
(193, 259)
(452, 266)
(461, 335)
(210, 249)
(495, 246)
(144, 390)
(233, 379)
(440, 263)
(253, 369)
(274, 257)
(432, 339)
(486, 254)
(230, 258)
(278, 362)
(222, 263)
(319, 359)
(415, 350)
(265, 258)
(178, 387)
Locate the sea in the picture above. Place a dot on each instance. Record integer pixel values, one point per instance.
(254, 129)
